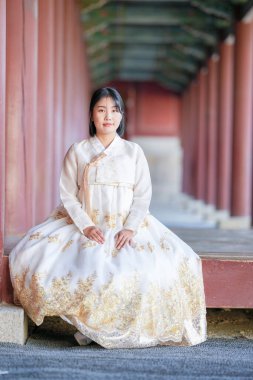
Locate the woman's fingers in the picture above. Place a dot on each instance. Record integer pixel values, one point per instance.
(122, 238)
(100, 233)
(97, 235)
(119, 242)
(94, 233)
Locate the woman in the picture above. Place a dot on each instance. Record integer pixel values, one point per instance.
(101, 261)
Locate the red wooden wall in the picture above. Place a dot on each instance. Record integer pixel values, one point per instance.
(44, 95)
(151, 109)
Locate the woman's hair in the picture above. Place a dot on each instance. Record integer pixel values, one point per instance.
(114, 94)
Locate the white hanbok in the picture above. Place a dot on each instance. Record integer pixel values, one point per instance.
(148, 293)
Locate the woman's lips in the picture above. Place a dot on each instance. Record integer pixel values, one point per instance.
(107, 124)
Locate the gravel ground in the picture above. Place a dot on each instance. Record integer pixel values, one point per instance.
(51, 352)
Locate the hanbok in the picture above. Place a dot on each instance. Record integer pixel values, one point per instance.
(148, 293)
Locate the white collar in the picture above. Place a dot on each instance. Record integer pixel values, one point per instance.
(99, 147)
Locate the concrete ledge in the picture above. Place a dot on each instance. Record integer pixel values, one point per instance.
(13, 324)
(235, 223)
(218, 215)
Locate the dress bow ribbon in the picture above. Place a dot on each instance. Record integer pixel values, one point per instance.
(93, 162)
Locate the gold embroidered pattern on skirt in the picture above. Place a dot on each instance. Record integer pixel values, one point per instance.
(61, 213)
(110, 220)
(67, 245)
(89, 244)
(192, 285)
(140, 247)
(94, 216)
(53, 238)
(164, 244)
(120, 306)
(115, 252)
(145, 223)
(151, 247)
(36, 235)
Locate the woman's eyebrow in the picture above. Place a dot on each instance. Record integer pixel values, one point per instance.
(105, 106)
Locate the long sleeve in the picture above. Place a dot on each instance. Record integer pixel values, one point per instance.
(142, 193)
(69, 191)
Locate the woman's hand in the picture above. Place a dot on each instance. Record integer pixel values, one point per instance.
(94, 233)
(123, 237)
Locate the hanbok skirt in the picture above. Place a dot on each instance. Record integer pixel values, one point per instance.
(148, 293)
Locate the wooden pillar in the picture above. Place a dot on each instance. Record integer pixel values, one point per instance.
(30, 74)
(185, 141)
(202, 136)
(182, 133)
(225, 123)
(2, 138)
(188, 137)
(45, 153)
(16, 173)
(131, 110)
(242, 132)
(69, 136)
(212, 129)
(59, 25)
(192, 137)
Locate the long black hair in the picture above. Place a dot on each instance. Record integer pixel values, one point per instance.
(114, 94)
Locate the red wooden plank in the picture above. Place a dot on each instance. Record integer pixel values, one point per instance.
(228, 284)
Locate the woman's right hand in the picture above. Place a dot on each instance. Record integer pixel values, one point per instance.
(94, 233)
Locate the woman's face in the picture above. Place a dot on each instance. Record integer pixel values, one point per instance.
(106, 116)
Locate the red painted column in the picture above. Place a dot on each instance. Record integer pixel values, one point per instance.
(16, 174)
(131, 110)
(45, 148)
(192, 137)
(59, 25)
(212, 129)
(30, 75)
(182, 133)
(242, 133)
(225, 123)
(185, 141)
(202, 136)
(2, 136)
(69, 137)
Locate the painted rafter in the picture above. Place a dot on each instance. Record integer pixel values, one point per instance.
(163, 40)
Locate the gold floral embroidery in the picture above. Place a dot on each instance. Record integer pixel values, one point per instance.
(35, 236)
(62, 213)
(140, 247)
(53, 239)
(151, 247)
(115, 252)
(67, 245)
(88, 244)
(59, 214)
(110, 220)
(145, 223)
(94, 216)
(164, 244)
(121, 307)
(69, 220)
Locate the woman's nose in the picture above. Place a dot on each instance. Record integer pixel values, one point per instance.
(108, 115)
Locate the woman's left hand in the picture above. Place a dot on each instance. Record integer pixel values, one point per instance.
(123, 237)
